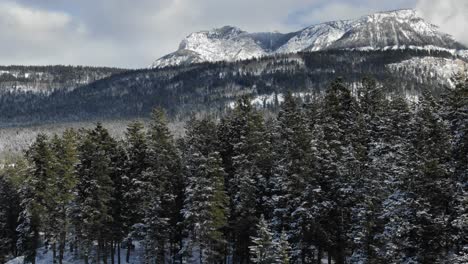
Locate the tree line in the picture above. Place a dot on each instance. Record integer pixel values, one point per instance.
(209, 87)
(352, 177)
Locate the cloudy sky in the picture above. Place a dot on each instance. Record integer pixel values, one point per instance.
(132, 33)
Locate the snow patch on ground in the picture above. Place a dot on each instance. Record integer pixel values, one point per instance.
(265, 100)
(440, 68)
(46, 257)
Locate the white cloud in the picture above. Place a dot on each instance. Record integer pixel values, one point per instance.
(450, 15)
(34, 36)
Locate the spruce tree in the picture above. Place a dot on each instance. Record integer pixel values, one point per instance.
(264, 248)
(395, 161)
(136, 148)
(370, 192)
(455, 112)
(293, 176)
(94, 190)
(245, 150)
(433, 182)
(36, 198)
(283, 250)
(9, 212)
(342, 132)
(164, 191)
(63, 185)
(206, 203)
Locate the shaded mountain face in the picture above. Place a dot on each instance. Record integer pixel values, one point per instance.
(396, 29)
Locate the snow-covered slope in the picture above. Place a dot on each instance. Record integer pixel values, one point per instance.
(317, 37)
(46, 79)
(396, 28)
(401, 28)
(226, 43)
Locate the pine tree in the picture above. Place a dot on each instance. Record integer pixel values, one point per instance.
(136, 147)
(263, 249)
(455, 112)
(293, 176)
(165, 191)
(394, 160)
(118, 228)
(65, 159)
(9, 212)
(206, 203)
(433, 182)
(36, 198)
(342, 132)
(283, 249)
(370, 192)
(245, 152)
(94, 190)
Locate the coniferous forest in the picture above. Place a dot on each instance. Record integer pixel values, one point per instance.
(343, 177)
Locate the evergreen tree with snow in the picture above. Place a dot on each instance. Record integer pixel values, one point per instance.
(246, 155)
(263, 249)
(9, 212)
(118, 204)
(36, 198)
(136, 148)
(369, 190)
(164, 192)
(342, 130)
(395, 160)
(206, 203)
(293, 176)
(66, 159)
(455, 112)
(433, 182)
(283, 250)
(94, 191)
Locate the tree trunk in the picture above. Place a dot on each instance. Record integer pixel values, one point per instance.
(105, 251)
(161, 258)
(54, 252)
(62, 241)
(201, 255)
(86, 261)
(98, 252)
(129, 247)
(112, 245)
(35, 245)
(118, 253)
(329, 258)
(319, 255)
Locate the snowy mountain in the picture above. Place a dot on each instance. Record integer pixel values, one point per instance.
(395, 29)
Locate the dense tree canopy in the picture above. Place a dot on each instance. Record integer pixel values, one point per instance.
(349, 176)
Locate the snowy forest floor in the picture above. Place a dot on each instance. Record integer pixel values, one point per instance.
(136, 257)
(45, 257)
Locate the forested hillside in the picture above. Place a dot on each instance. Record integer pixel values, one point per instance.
(350, 175)
(212, 87)
(47, 79)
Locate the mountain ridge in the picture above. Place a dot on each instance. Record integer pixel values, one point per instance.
(396, 28)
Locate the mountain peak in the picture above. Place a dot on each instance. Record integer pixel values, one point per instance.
(395, 28)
